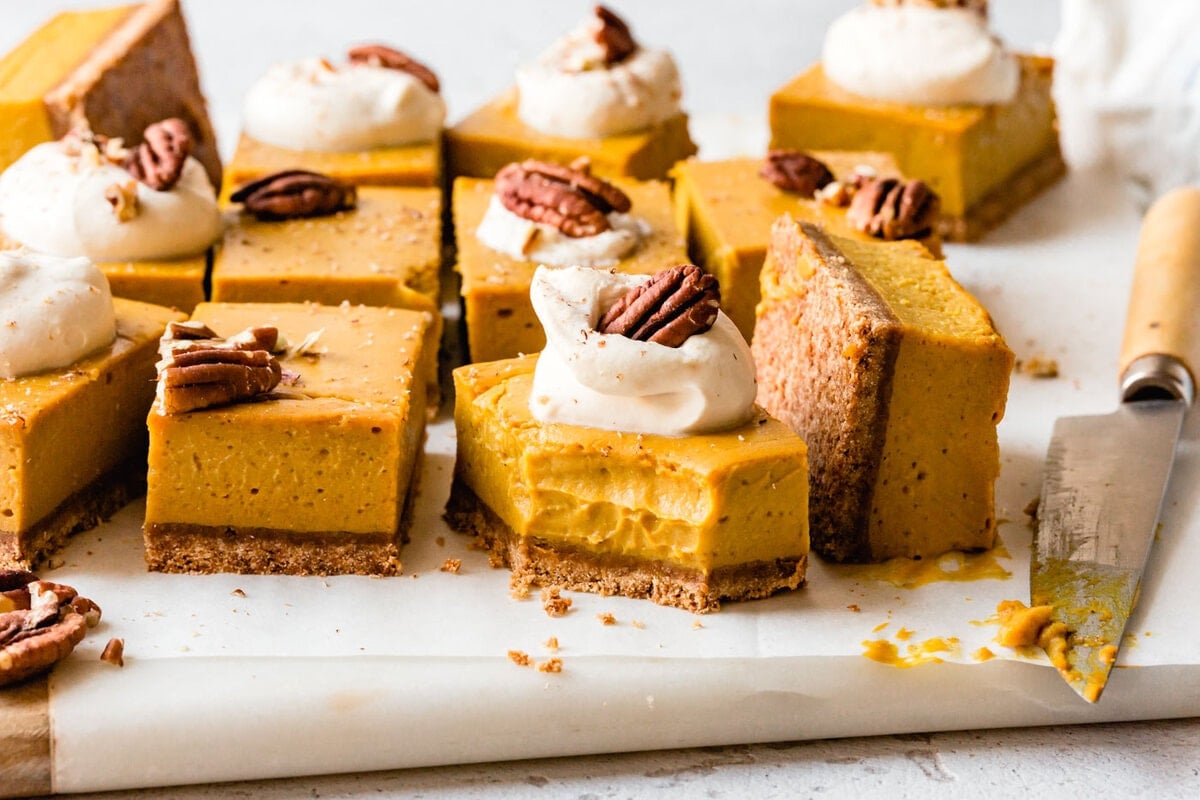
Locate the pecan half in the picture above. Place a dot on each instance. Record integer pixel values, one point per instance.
(796, 171)
(380, 55)
(674, 304)
(199, 372)
(158, 161)
(47, 621)
(614, 37)
(295, 194)
(568, 198)
(892, 209)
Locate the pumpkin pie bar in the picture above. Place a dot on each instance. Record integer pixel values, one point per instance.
(118, 69)
(370, 245)
(896, 378)
(495, 282)
(145, 215)
(374, 120)
(302, 461)
(725, 210)
(985, 138)
(564, 486)
(594, 93)
(72, 429)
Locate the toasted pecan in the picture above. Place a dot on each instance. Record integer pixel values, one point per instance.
(672, 306)
(380, 55)
(295, 194)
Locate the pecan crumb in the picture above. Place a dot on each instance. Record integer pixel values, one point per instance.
(1031, 508)
(451, 565)
(520, 658)
(554, 603)
(550, 665)
(672, 306)
(238, 593)
(114, 652)
(123, 198)
(607, 618)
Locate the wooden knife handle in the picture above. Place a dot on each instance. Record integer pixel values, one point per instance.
(1164, 305)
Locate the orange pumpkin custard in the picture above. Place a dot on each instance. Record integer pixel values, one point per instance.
(292, 446)
(302, 236)
(374, 120)
(504, 231)
(117, 69)
(976, 123)
(896, 378)
(594, 93)
(629, 457)
(146, 216)
(72, 407)
(725, 210)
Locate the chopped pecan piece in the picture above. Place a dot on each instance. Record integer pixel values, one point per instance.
(114, 652)
(892, 209)
(123, 198)
(379, 55)
(614, 37)
(203, 372)
(295, 194)
(568, 198)
(667, 309)
(43, 626)
(158, 161)
(796, 171)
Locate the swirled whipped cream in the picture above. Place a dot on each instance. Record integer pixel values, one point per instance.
(313, 105)
(918, 55)
(609, 381)
(515, 236)
(53, 311)
(69, 199)
(571, 91)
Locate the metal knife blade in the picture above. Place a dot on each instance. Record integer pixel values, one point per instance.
(1106, 476)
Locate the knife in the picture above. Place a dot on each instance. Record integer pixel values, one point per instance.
(1106, 475)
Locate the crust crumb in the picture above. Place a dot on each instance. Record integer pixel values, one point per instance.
(637, 623)
(520, 658)
(607, 618)
(451, 565)
(551, 644)
(550, 665)
(854, 607)
(1038, 366)
(518, 586)
(554, 603)
(697, 625)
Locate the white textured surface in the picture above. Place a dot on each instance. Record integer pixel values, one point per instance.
(731, 56)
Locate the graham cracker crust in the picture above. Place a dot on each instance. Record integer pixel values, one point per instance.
(206, 549)
(999, 204)
(545, 563)
(82, 511)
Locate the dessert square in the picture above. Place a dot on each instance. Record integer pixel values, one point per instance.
(316, 478)
(495, 286)
(480, 144)
(119, 69)
(682, 520)
(73, 440)
(725, 210)
(386, 251)
(896, 378)
(984, 161)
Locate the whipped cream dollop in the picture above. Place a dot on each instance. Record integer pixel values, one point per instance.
(570, 90)
(918, 55)
(60, 198)
(313, 105)
(598, 380)
(53, 311)
(515, 236)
